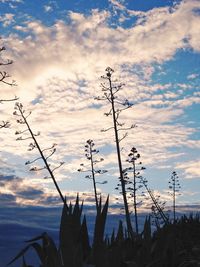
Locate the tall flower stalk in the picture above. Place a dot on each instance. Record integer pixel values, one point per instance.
(22, 118)
(174, 187)
(136, 184)
(4, 74)
(4, 78)
(90, 153)
(110, 95)
(158, 206)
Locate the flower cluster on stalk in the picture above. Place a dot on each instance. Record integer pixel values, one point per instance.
(90, 154)
(44, 154)
(4, 76)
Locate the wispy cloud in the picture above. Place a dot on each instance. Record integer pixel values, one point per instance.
(57, 69)
(193, 76)
(12, 1)
(117, 4)
(48, 8)
(7, 19)
(190, 168)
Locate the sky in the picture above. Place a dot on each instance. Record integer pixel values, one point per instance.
(60, 50)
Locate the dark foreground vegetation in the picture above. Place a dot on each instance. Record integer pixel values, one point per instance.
(175, 244)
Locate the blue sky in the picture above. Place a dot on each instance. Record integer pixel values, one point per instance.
(60, 50)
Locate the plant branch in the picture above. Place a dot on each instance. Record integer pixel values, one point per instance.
(20, 108)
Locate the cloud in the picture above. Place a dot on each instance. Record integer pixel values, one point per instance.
(192, 76)
(17, 191)
(7, 19)
(48, 8)
(57, 69)
(89, 39)
(13, 1)
(190, 168)
(117, 4)
(7, 199)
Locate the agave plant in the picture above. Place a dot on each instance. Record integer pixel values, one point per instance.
(74, 247)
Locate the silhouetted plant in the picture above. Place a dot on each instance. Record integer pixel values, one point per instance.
(157, 207)
(6, 124)
(110, 91)
(133, 185)
(175, 244)
(90, 153)
(136, 184)
(4, 74)
(26, 134)
(174, 187)
(157, 214)
(3, 79)
(46, 251)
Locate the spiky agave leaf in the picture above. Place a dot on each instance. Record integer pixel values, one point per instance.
(52, 256)
(47, 252)
(70, 228)
(84, 239)
(22, 253)
(77, 211)
(120, 233)
(99, 252)
(147, 229)
(112, 240)
(100, 222)
(144, 253)
(24, 263)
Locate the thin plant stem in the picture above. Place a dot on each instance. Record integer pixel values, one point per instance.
(93, 176)
(134, 197)
(42, 155)
(128, 220)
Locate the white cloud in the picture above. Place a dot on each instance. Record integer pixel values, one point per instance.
(156, 39)
(192, 76)
(7, 19)
(117, 4)
(13, 1)
(57, 69)
(48, 8)
(191, 168)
